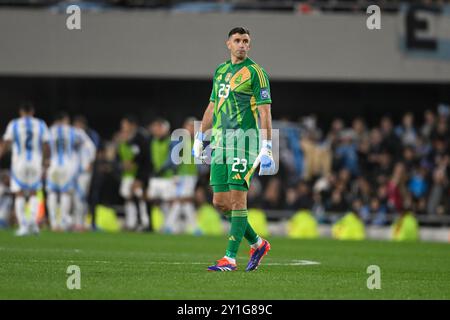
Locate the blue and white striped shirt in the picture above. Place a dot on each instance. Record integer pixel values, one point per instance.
(70, 146)
(28, 135)
(86, 151)
(64, 143)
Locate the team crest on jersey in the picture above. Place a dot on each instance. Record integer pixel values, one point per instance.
(265, 93)
(219, 78)
(228, 77)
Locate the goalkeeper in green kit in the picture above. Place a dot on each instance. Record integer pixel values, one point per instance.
(240, 94)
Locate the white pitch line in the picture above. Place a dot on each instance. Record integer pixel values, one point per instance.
(292, 263)
(295, 263)
(42, 250)
(174, 263)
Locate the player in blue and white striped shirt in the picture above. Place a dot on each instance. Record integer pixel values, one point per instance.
(86, 153)
(28, 137)
(65, 162)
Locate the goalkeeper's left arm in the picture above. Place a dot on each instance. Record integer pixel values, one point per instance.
(267, 164)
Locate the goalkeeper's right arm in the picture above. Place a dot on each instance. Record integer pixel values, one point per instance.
(207, 119)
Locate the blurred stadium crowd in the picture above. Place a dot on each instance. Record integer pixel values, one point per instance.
(375, 171)
(295, 6)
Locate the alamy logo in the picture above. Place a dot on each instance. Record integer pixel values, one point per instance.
(236, 147)
(74, 279)
(374, 21)
(73, 22)
(374, 280)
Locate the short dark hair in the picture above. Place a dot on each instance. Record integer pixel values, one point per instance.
(240, 30)
(159, 120)
(162, 121)
(80, 118)
(61, 116)
(26, 106)
(131, 118)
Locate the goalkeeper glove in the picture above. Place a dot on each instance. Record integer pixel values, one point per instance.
(267, 164)
(197, 149)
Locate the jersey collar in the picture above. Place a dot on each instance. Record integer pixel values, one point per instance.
(240, 63)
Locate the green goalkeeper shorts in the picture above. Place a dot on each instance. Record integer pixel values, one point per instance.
(233, 174)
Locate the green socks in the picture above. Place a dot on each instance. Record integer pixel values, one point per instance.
(250, 234)
(239, 227)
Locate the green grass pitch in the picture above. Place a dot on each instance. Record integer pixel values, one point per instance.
(153, 266)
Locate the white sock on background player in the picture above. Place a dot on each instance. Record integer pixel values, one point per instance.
(144, 214)
(52, 204)
(33, 203)
(66, 220)
(19, 206)
(130, 214)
